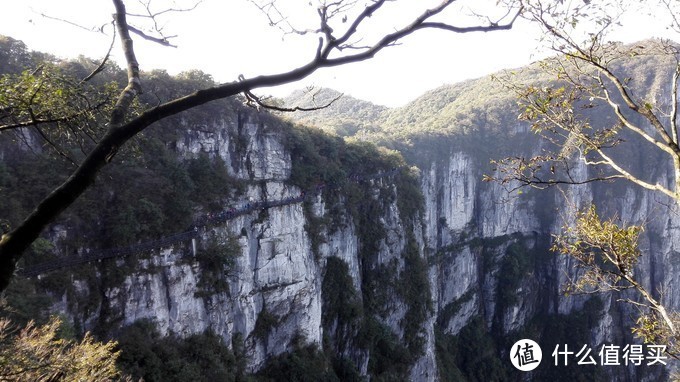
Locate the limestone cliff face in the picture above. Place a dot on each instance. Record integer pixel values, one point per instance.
(273, 296)
(487, 253)
(477, 227)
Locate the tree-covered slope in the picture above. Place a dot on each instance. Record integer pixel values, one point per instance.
(482, 106)
(333, 111)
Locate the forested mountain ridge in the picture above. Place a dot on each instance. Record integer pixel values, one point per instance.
(445, 108)
(336, 112)
(428, 275)
(486, 105)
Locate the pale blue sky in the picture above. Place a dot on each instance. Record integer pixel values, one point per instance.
(230, 37)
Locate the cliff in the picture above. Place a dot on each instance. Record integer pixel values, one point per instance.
(388, 271)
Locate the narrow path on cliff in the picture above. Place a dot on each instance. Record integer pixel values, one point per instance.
(206, 220)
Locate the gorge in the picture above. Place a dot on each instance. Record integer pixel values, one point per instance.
(424, 273)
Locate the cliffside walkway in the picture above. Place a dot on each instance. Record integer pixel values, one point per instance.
(209, 219)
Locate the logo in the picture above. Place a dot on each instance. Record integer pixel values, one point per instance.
(526, 355)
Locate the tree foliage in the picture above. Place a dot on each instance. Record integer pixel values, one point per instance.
(608, 252)
(606, 256)
(36, 353)
(65, 111)
(199, 357)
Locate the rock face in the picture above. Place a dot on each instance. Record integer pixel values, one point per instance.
(271, 294)
(487, 255)
(480, 230)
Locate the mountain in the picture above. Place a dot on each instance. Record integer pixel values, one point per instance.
(333, 111)
(294, 254)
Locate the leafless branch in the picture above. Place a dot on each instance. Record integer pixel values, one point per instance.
(675, 24)
(150, 14)
(159, 40)
(35, 121)
(102, 64)
(276, 19)
(99, 29)
(253, 100)
(419, 23)
(162, 38)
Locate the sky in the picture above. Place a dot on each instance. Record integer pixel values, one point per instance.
(227, 38)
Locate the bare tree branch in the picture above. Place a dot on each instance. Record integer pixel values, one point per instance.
(53, 145)
(102, 64)
(418, 24)
(276, 18)
(153, 16)
(99, 29)
(630, 125)
(163, 40)
(150, 14)
(253, 100)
